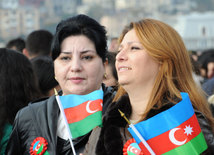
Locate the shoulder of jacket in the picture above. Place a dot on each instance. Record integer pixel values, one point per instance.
(41, 102)
(34, 106)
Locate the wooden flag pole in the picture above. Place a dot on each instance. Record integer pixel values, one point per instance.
(65, 121)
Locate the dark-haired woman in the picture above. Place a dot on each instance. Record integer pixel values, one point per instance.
(78, 51)
(18, 86)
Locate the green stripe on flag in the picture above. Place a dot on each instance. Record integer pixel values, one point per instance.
(196, 146)
(130, 153)
(84, 126)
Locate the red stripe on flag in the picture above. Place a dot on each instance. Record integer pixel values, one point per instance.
(175, 137)
(75, 114)
(144, 149)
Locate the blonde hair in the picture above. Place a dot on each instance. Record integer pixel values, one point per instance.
(166, 47)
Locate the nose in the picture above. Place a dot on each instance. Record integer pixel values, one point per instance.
(76, 65)
(121, 56)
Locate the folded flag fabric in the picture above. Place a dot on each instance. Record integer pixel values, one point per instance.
(174, 131)
(83, 112)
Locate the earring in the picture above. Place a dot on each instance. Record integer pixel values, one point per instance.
(105, 75)
(55, 77)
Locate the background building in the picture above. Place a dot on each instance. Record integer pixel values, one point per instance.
(20, 17)
(197, 30)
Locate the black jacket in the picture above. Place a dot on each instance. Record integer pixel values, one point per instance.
(111, 138)
(40, 120)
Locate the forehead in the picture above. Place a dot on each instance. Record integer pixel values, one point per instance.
(130, 36)
(77, 41)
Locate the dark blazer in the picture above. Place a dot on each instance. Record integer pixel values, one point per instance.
(40, 119)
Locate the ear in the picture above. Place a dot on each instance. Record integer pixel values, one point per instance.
(26, 53)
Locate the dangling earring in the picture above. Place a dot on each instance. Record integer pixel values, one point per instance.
(105, 75)
(55, 78)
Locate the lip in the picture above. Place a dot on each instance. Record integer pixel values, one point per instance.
(123, 68)
(76, 80)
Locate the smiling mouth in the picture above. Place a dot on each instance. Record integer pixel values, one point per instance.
(124, 68)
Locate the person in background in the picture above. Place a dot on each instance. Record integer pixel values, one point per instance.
(153, 68)
(17, 44)
(113, 46)
(196, 72)
(110, 77)
(206, 59)
(79, 54)
(18, 87)
(44, 69)
(206, 62)
(38, 43)
(211, 103)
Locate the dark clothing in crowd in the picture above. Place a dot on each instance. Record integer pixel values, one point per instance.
(208, 87)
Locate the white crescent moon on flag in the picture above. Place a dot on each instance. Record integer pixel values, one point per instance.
(172, 137)
(131, 150)
(88, 109)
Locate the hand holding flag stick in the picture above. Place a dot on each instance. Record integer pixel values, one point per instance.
(137, 133)
(65, 120)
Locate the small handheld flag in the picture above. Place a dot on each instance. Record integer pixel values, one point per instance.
(65, 121)
(82, 112)
(148, 148)
(173, 131)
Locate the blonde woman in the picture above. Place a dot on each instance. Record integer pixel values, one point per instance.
(153, 67)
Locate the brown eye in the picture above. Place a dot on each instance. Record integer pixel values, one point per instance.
(65, 58)
(135, 48)
(87, 57)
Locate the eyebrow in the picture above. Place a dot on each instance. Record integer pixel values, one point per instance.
(82, 52)
(131, 42)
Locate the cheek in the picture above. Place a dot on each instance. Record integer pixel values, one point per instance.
(56, 69)
(145, 65)
(97, 72)
(59, 70)
(116, 65)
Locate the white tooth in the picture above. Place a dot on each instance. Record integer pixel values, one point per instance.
(124, 68)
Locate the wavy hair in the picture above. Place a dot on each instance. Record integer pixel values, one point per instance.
(167, 48)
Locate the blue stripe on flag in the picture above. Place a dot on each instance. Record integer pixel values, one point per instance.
(73, 100)
(165, 120)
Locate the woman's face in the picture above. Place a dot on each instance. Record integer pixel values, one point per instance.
(78, 68)
(134, 65)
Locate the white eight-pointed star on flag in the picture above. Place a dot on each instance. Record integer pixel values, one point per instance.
(188, 130)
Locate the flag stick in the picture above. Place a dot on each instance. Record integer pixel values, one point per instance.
(137, 133)
(65, 120)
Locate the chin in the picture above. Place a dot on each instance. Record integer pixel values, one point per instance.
(123, 83)
(76, 91)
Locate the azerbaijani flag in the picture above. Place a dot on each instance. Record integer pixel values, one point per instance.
(83, 112)
(174, 131)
